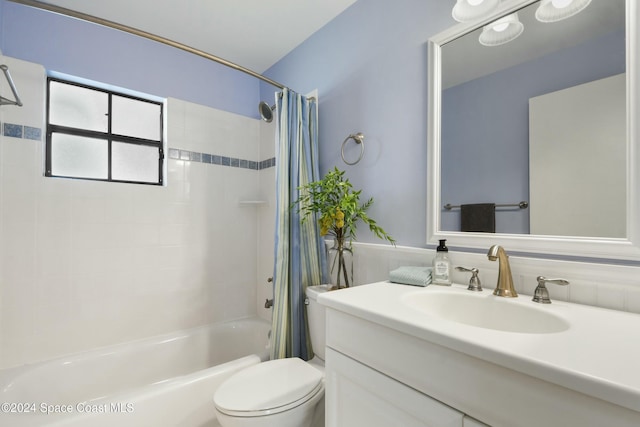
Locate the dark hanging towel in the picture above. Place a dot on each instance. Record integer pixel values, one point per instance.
(479, 217)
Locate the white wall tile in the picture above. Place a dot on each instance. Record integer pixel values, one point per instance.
(88, 210)
(18, 253)
(17, 302)
(175, 171)
(86, 264)
(611, 296)
(266, 221)
(602, 285)
(632, 299)
(267, 140)
(584, 293)
(144, 234)
(53, 249)
(54, 209)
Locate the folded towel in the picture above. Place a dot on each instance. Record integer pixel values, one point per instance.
(416, 276)
(479, 217)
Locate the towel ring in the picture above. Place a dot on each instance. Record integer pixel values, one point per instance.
(359, 139)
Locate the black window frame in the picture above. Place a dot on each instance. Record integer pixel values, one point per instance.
(107, 136)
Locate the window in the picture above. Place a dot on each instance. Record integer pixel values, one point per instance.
(102, 135)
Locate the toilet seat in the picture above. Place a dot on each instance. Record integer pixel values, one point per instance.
(269, 388)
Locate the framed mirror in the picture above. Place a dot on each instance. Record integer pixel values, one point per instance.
(539, 131)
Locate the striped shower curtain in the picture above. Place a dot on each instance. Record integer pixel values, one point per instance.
(299, 249)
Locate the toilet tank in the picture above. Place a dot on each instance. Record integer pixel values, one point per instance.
(316, 316)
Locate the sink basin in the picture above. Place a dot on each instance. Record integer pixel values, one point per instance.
(486, 311)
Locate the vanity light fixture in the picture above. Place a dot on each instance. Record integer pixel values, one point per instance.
(557, 10)
(501, 31)
(470, 10)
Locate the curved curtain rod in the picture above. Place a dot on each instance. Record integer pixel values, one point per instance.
(150, 36)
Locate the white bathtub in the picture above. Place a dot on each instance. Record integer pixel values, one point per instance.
(167, 380)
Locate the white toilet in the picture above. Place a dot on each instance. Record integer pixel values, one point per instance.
(279, 393)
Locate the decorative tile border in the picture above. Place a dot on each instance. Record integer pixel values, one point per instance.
(19, 131)
(28, 132)
(192, 156)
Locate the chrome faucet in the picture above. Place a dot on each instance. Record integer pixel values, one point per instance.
(474, 282)
(504, 287)
(541, 294)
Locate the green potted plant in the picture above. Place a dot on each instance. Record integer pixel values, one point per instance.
(338, 209)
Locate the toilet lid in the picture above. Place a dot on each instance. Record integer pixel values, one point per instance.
(268, 387)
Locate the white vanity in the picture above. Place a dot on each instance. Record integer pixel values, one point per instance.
(404, 356)
(443, 356)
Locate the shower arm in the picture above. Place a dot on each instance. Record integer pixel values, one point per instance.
(106, 23)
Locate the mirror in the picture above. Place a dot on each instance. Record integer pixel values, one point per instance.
(547, 119)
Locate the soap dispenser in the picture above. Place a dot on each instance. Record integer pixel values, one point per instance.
(441, 265)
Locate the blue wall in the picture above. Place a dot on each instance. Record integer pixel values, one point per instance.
(370, 68)
(485, 155)
(369, 65)
(90, 51)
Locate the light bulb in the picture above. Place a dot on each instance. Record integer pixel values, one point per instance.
(501, 24)
(471, 10)
(560, 4)
(501, 31)
(500, 27)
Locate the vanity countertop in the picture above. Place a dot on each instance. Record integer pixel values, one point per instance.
(598, 355)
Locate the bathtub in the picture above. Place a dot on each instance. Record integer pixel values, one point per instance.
(167, 380)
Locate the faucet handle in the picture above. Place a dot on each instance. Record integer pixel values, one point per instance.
(474, 282)
(541, 294)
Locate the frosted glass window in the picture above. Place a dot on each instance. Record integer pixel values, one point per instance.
(79, 156)
(135, 118)
(78, 107)
(96, 133)
(134, 162)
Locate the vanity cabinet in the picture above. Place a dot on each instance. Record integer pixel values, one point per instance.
(357, 395)
(385, 368)
(471, 422)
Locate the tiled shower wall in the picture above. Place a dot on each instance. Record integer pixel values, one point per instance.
(85, 264)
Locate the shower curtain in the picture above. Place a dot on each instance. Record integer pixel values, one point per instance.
(300, 258)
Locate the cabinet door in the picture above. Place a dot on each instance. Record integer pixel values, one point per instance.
(357, 395)
(472, 422)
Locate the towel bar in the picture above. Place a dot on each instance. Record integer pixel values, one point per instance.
(521, 205)
(12, 86)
